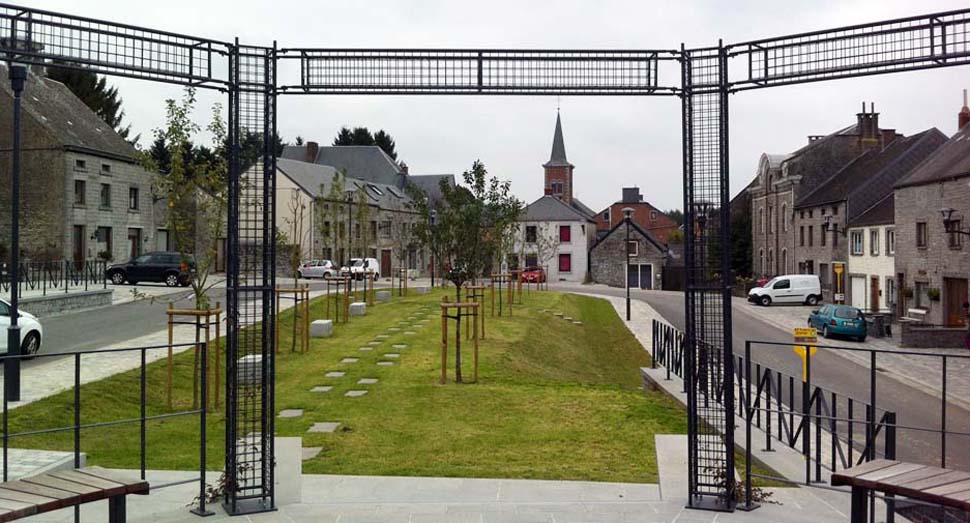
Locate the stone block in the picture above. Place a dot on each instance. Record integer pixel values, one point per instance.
(291, 413)
(349, 360)
(324, 426)
(367, 381)
(311, 452)
(321, 328)
(355, 393)
(358, 308)
(335, 374)
(249, 370)
(321, 388)
(383, 295)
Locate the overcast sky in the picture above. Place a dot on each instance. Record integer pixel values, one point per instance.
(613, 142)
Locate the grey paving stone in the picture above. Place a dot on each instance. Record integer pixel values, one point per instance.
(321, 388)
(393, 329)
(365, 349)
(410, 333)
(324, 426)
(392, 355)
(385, 363)
(291, 413)
(577, 322)
(311, 452)
(399, 346)
(367, 381)
(382, 336)
(374, 342)
(335, 374)
(355, 393)
(349, 360)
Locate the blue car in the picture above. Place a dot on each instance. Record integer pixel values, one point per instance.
(839, 320)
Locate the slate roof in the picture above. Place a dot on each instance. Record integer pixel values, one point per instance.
(551, 209)
(872, 175)
(582, 208)
(882, 213)
(634, 228)
(364, 162)
(316, 180)
(431, 183)
(558, 156)
(69, 121)
(951, 160)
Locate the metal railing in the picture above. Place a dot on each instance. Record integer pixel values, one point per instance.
(57, 276)
(141, 419)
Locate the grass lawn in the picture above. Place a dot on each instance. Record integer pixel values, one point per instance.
(554, 400)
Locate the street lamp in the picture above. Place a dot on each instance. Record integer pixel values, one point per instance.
(627, 213)
(432, 219)
(11, 368)
(951, 226)
(831, 226)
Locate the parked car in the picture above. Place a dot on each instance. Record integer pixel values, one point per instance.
(172, 268)
(317, 269)
(839, 320)
(31, 332)
(791, 288)
(534, 275)
(358, 267)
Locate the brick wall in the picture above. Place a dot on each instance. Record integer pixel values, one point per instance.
(658, 224)
(563, 174)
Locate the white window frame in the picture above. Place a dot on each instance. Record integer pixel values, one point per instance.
(874, 242)
(636, 248)
(857, 243)
(890, 241)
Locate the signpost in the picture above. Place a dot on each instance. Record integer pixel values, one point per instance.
(838, 268)
(805, 340)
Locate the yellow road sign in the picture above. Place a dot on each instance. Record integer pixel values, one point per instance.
(805, 340)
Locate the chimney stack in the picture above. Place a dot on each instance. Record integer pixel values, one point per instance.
(868, 124)
(964, 116)
(404, 168)
(312, 149)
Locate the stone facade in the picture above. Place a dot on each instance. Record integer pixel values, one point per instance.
(608, 260)
(816, 250)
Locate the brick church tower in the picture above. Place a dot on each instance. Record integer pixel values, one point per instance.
(558, 171)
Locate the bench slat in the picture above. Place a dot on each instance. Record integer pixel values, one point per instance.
(84, 492)
(110, 488)
(951, 476)
(865, 468)
(946, 490)
(920, 474)
(16, 510)
(134, 485)
(963, 496)
(883, 475)
(26, 498)
(40, 490)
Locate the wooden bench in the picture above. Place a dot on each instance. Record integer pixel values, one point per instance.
(945, 487)
(67, 488)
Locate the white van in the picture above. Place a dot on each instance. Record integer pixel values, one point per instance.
(791, 288)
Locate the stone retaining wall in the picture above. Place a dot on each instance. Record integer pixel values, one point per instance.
(53, 304)
(916, 336)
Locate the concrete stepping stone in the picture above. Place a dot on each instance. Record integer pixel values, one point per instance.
(409, 333)
(399, 346)
(383, 295)
(393, 329)
(350, 360)
(311, 452)
(382, 336)
(567, 318)
(335, 374)
(392, 355)
(321, 388)
(385, 363)
(324, 426)
(365, 349)
(558, 314)
(374, 342)
(367, 381)
(577, 322)
(291, 413)
(355, 393)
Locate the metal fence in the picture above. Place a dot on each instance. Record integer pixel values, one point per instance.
(57, 276)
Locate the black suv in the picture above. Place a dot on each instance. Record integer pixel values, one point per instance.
(172, 268)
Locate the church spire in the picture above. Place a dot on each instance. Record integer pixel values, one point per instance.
(558, 156)
(558, 170)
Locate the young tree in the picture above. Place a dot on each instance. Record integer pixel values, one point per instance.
(471, 224)
(361, 213)
(332, 216)
(293, 239)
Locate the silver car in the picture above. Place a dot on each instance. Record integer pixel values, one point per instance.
(317, 269)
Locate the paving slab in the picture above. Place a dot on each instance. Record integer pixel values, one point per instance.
(335, 374)
(349, 360)
(355, 393)
(367, 381)
(311, 452)
(410, 333)
(399, 346)
(321, 388)
(394, 329)
(324, 426)
(365, 349)
(374, 342)
(385, 363)
(291, 413)
(392, 355)
(382, 336)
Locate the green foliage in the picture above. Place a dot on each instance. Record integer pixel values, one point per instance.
(332, 216)
(363, 136)
(95, 93)
(676, 215)
(741, 244)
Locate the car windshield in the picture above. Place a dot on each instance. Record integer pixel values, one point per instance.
(770, 284)
(847, 313)
(358, 263)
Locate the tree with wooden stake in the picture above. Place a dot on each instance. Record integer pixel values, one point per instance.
(466, 310)
(471, 220)
(296, 233)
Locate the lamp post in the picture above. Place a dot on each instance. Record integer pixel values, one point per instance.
(627, 213)
(11, 368)
(432, 219)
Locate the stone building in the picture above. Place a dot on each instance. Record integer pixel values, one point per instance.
(648, 217)
(608, 258)
(932, 266)
(83, 193)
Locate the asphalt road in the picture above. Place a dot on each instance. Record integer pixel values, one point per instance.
(913, 407)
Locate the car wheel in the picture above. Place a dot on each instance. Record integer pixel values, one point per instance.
(825, 331)
(117, 278)
(172, 280)
(812, 300)
(765, 301)
(31, 344)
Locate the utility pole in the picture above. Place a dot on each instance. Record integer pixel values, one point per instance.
(627, 213)
(11, 367)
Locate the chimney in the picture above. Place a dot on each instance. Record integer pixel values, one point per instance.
(632, 195)
(868, 124)
(964, 116)
(312, 149)
(404, 168)
(887, 136)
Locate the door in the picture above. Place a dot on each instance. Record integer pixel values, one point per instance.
(955, 295)
(79, 246)
(782, 291)
(134, 242)
(633, 276)
(874, 293)
(858, 292)
(385, 261)
(646, 276)
(161, 240)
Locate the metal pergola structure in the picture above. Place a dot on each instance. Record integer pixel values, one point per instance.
(248, 76)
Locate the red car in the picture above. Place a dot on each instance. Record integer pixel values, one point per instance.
(534, 275)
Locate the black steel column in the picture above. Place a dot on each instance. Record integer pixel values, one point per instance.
(11, 368)
(626, 249)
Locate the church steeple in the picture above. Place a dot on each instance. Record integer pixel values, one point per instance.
(558, 170)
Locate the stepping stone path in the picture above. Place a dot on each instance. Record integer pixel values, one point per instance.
(385, 363)
(382, 336)
(335, 374)
(355, 393)
(392, 355)
(399, 346)
(367, 381)
(365, 349)
(311, 452)
(393, 329)
(374, 342)
(321, 388)
(577, 323)
(349, 360)
(324, 426)
(291, 413)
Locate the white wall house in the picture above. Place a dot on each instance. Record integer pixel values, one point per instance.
(554, 234)
(872, 284)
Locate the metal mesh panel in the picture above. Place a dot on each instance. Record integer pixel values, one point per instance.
(905, 44)
(477, 71)
(707, 293)
(41, 37)
(251, 283)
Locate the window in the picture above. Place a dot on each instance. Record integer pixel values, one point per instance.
(874, 242)
(811, 235)
(835, 210)
(556, 187)
(784, 260)
(890, 242)
(761, 220)
(653, 216)
(771, 219)
(821, 235)
(810, 213)
(801, 236)
(105, 168)
(81, 165)
(373, 230)
(531, 260)
(857, 242)
(824, 276)
(921, 293)
(103, 236)
(79, 189)
(384, 229)
(921, 235)
(565, 262)
(632, 248)
(565, 234)
(761, 260)
(105, 196)
(530, 233)
(782, 284)
(133, 198)
(784, 217)
(606, 216)
(955, 239)
(890, 292)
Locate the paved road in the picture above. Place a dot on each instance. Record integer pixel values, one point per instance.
(914, 408)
